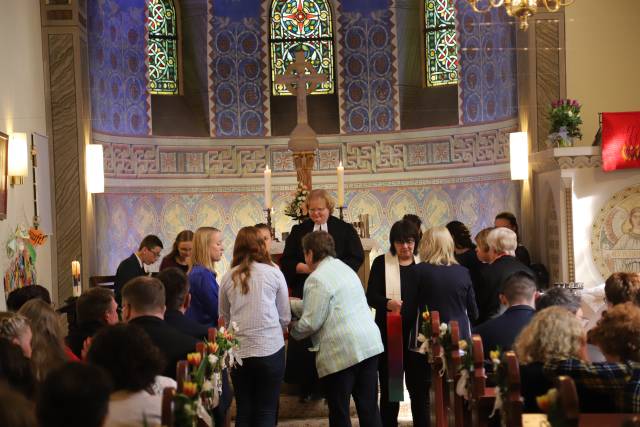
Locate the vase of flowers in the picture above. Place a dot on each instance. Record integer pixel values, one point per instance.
(565, 121)
(297, 209)
(202, 387)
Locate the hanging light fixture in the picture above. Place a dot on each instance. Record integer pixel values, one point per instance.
(520, 9)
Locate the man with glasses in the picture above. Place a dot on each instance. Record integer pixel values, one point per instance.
(134, 266)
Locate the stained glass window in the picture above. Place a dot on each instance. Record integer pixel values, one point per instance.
(301, 25)
(163, 48)
(440, 42)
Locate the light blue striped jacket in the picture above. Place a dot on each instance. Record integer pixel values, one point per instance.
(334, 312)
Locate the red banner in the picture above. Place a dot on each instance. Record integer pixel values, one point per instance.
(620, 141)
(394, 355)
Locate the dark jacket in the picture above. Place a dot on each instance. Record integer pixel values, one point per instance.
(502, 331)
(376, 298)
(77, 336)
(128, 269)
(448, 290)
(348, 250)
(187, 326)
(173, 344)
(204, 289)
(523, 255)
(494, 275)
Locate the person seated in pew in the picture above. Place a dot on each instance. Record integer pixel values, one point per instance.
(616, 333)
(95, 308)
(16, 370)
(518, 293)
(18, 297)
(177, 300)
(553, 334)
(622, 287)
(143, 304)
(563, 297)
(134, 364)
(16, 328)
(15, 409)
(148, 253)
(74, 395)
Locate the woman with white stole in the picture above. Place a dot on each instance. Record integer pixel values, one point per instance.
(393, 293)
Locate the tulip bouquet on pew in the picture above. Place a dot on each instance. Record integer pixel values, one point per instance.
(202, 385)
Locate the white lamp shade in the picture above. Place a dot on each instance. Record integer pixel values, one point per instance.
(519, 154)
(18, 155)
(94, 168)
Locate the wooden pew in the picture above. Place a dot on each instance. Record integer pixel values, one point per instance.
(512, 406)
(437, 382)
(459, 415)
(167, 419)
(482, 397)
(570, 406)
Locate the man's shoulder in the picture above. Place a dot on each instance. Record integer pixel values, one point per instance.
(128, 261)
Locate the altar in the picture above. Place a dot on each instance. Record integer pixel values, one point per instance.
(367, 244)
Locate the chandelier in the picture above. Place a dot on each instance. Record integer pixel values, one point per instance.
(521, 9)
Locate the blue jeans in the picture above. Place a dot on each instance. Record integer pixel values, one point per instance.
(257, 388)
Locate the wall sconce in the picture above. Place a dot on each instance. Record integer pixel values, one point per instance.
(519, 155)
(18, 158)
(94, 168)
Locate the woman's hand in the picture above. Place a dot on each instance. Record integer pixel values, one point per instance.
(394, 306)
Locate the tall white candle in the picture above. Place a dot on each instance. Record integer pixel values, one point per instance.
(75, 269)
(340, 172)
(267, 188)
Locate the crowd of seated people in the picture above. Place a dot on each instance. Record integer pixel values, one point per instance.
(111, 367)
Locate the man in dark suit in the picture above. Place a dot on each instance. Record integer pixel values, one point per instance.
(300, 362)
(518, 293)
(143, 304)
(147, 254)
(502, 245)
(177, 296)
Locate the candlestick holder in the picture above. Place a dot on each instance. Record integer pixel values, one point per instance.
(341, 209)
(271, 229)
(77, 287)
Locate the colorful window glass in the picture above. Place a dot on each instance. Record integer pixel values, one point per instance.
(440, 42)
(163, 48)
(301, 25)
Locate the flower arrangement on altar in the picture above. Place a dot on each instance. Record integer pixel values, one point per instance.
(297, 209)
(202, 387)
(565, 121)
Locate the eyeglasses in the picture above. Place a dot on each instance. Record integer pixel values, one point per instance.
(156, 254)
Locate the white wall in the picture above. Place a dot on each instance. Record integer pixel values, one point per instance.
(591, 190)
(602, 40)
(22, 109)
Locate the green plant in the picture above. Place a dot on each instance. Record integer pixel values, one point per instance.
(565, 121)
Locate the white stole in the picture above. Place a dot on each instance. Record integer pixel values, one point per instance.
(392, 277)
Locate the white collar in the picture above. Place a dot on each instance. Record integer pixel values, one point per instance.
(321, 227)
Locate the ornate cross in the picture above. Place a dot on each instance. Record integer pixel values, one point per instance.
(300, 78)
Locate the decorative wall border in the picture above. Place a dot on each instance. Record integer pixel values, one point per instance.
(210, 92)
(568, 206)
(146, 74)
(134, 158)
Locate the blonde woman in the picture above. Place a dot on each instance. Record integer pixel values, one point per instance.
(445, 285)
(203, 287)
(536, 345)
(47, 343)
(15, 328)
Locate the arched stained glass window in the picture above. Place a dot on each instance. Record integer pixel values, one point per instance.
(301, 25)
(440, 42)
(163, 48)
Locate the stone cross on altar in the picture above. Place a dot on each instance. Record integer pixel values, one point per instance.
(301, 79)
